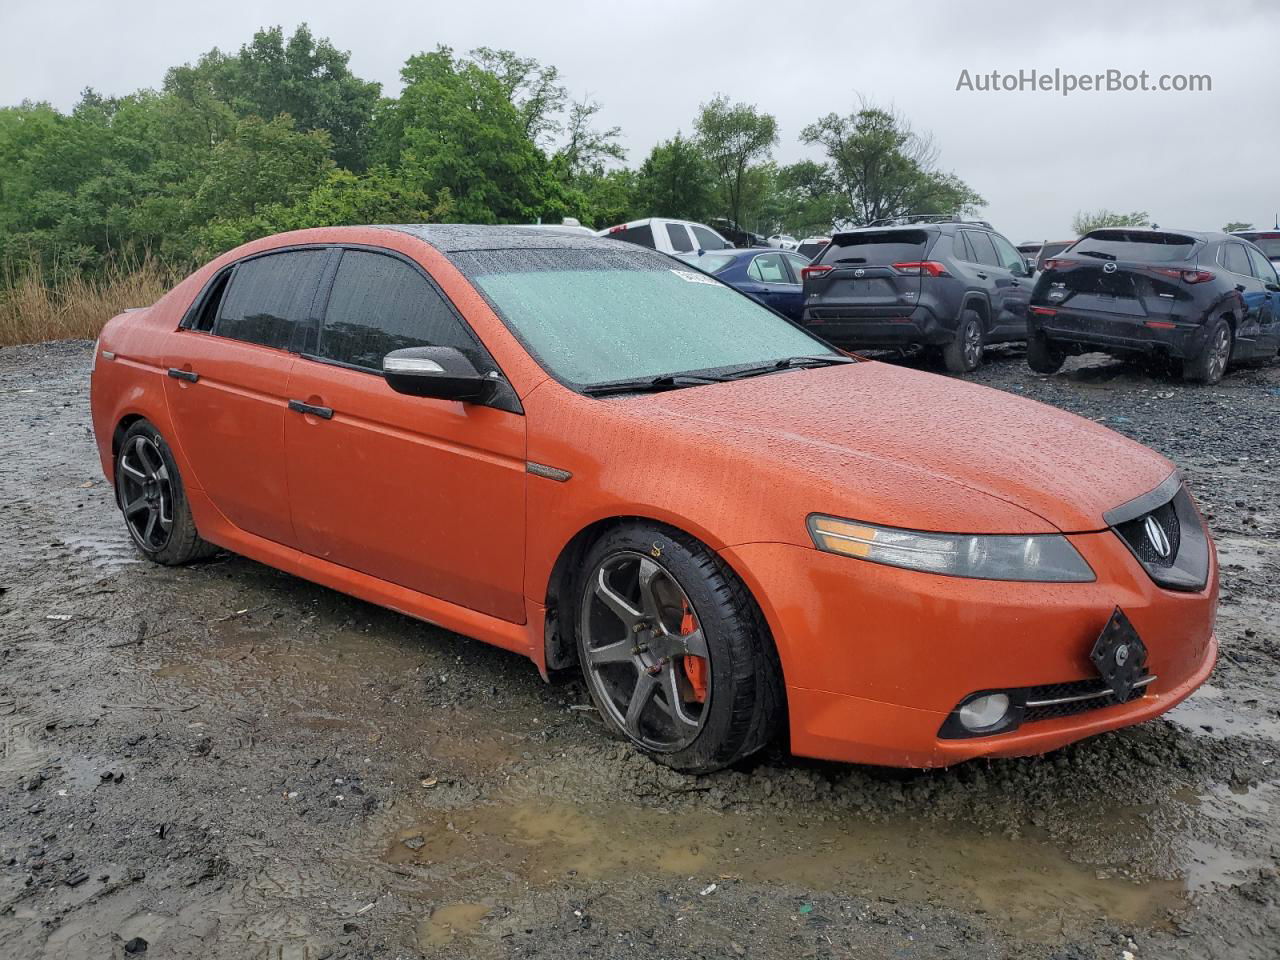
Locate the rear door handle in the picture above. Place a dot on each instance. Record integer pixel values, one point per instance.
(189, 375)
(324, 413)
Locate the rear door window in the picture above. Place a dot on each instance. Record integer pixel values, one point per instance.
(984, 250)
(270, 298)
(1142, 245)
(679, 238)
(706, 239)
(769, 268)
(796, 263)
(642, 235)
(1236, 259)
(876, 248)
(380, 303)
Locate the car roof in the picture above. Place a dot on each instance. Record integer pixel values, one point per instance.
(459, 237)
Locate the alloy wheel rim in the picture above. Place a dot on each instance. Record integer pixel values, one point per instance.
(1221, 349)
(972, 343)
(640, 638)
(146, 494)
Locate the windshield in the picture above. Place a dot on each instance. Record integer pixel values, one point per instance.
(875, 248)
(1135, 245)
(599, 316)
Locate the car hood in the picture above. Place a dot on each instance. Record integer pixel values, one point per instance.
(899, 447)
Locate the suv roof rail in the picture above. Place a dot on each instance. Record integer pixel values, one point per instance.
(927, 218)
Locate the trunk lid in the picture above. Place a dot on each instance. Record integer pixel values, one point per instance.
(1130, 274)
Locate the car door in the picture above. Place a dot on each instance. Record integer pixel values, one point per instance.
(769, 280)
(1234, 258)
(421, 492)
(1016, 289)
(979, 255)
(228, 370)
(1269, 321)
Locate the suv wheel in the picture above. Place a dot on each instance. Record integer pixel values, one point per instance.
(964, 353)
(674, 650)
(1210, 363)
(1043, 356)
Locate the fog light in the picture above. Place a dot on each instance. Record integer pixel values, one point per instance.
(985, 711)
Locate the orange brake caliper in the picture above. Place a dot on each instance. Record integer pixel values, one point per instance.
(695, 668)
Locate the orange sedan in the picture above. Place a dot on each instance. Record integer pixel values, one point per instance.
(585, 452)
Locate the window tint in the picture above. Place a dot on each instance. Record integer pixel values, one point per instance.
(769, 268)
(679, 238)
(1146, 245)
(1263, 268)
(642, 235)
(1010, 258)
(983, 250)
(380, 304)
(876, 248)
(1234, 258)
(706, 239)
(269, 300)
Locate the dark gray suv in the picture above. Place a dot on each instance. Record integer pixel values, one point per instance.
(939, 283)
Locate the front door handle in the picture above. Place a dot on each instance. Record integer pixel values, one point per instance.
(982, 276)
(324, 413)
(189, 375)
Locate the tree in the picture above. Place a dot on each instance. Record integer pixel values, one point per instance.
(1087, 220)
(883, 168)
(308, 79)
(809, 202)
(1235, 226)
(533, 89)
(733, 136)
(674, 181)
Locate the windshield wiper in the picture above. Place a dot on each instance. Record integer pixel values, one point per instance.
(668, 381)
(1098, 254)
(789, 363)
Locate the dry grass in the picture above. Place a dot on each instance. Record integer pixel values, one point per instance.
(36, 307)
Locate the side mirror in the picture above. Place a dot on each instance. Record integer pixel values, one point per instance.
(444, 373)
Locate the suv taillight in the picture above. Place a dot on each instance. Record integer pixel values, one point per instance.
(1197, 276)
(815, 270)
(916, 268)
(1055, 263)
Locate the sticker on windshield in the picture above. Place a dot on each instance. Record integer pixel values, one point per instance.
(690, 277)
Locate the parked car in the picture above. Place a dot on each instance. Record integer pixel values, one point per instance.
(736, 235)
(668, 236)
(771, 277)
(567, 225)
(583, 452)
(1205, 300)
(1030, 253)
(1050, 249)
(1268, 241)
(945, 285)
(783, 241)
(810, 246)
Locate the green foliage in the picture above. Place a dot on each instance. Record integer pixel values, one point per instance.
(1087, 220)
(674, 181)
(881, 167)
(733, 136)
(1234, 226)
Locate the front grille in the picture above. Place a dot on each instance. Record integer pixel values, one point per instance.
(1079, 696)
(1138, 536)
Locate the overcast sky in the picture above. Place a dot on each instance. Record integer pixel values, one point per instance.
(1193, 160)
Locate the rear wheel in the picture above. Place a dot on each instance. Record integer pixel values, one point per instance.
(150, 495)
(1210, 363)
(964, 353)
(1043, 356)
(674, 650)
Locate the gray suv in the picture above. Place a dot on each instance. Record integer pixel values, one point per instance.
(943, 284)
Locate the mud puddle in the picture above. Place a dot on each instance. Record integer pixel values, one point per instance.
(1027, 885)
(1209, 713)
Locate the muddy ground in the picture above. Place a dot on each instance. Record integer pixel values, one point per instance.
(226, 762)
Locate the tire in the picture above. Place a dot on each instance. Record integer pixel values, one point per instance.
(1043, 356)
(1211, 362)
(964, 353)
(151, 498)
(634, 646)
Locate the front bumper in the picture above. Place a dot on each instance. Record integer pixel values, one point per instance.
(872, 327)
(875, 658)
(1120, 334)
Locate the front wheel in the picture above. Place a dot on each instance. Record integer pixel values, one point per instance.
(674, 650)
(964, 353)
(150, 495)
(1210, 363)
(1043, 356)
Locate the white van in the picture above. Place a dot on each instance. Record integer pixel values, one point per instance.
(668, 236)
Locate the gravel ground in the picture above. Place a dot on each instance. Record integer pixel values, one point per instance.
(225, 761)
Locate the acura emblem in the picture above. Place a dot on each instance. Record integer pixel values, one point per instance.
(1122, 654)
(1108, 267)
(1157, 538)
(859, 272)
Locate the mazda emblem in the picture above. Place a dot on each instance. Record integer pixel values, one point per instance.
(1157, 538)
(859, 272)
(1122, 654)
(1109, 268)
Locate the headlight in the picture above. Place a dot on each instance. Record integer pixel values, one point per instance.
(1043, 557)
